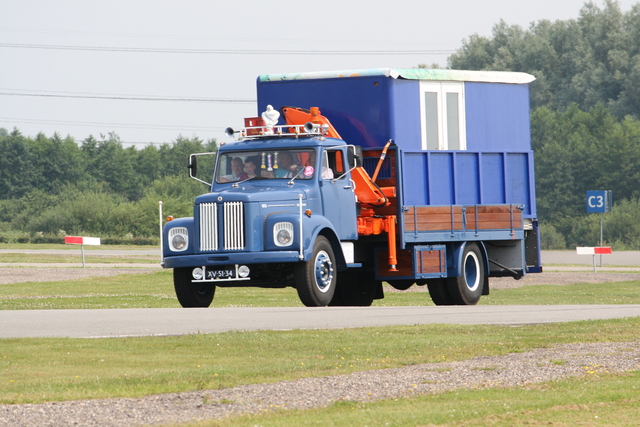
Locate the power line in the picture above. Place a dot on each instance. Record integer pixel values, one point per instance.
(227, 51)
(123, 97)
(111, 125)
(235, 37)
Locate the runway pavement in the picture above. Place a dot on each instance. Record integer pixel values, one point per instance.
(178, 321)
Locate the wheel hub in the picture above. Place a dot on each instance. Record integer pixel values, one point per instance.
(471, 269)
(324, 271)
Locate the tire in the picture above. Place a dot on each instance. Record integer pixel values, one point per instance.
(439, 292)
(190, 294)
(402, 284)
(316, 279)
(467, 289)
(355, 287)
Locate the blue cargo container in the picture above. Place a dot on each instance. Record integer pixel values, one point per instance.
(488, 113)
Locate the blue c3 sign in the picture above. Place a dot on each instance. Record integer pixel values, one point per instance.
(598, 201)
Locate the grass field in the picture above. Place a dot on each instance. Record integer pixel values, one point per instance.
(54, 369)
(156, 290)
(34, 370)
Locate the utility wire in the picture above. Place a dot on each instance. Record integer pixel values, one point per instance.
(111, 125)
(126, 97)
(227, 51)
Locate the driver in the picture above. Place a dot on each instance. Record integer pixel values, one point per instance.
(237, 171)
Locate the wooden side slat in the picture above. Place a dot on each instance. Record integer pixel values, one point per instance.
(438, 218)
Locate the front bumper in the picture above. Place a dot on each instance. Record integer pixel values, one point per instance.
(214, 259)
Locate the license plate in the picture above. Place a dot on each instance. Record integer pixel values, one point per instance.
(220, 274)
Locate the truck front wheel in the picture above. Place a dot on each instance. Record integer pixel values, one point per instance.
(467, 289)
(355, 287)
(191, 294)
(316, 279)
(439, 292)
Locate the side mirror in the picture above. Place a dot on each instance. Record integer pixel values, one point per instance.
(354, 156)
(193, 166)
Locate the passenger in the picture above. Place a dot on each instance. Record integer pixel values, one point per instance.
(237, 170)
(250, 167)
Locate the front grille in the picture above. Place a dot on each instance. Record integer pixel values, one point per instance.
(233, 226)
(232, 217)
(208, 227)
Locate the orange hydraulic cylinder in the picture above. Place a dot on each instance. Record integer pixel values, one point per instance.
(391, 235)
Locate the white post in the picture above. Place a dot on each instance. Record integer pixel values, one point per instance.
(82, 249)
(160, 217)
(601, 241)
(301, 256)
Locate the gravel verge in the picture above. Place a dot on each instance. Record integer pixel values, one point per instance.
(511, 370)
(561, 278)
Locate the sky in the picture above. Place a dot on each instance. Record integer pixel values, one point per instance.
(152, 70)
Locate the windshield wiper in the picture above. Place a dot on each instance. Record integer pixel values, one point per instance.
(237, 183)
(295, 176)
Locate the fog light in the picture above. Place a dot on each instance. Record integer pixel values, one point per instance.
(197, 273)
(243, 271)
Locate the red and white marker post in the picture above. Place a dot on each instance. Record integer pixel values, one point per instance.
(76, 240)
(598, 250)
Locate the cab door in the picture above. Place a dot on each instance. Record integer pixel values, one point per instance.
(338, 193)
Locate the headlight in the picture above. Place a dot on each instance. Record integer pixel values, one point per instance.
(283, 233)
(178, 239)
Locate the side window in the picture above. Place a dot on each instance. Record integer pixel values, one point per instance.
(333, 164)
(339, 162)
(443, 116)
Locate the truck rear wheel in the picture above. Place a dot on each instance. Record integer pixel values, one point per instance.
(316, 279)
(191, 294)
(467, 289)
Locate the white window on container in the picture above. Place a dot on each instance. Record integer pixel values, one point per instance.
(443, 118)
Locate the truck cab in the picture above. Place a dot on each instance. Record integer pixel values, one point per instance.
(281, 212)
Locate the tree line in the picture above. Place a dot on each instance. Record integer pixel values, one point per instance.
(54, 186)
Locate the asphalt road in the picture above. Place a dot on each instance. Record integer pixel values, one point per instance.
(178, 321)
(622, 258)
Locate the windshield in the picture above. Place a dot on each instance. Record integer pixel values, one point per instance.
(268, 164)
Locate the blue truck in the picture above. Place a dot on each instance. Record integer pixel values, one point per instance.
(348, 179)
